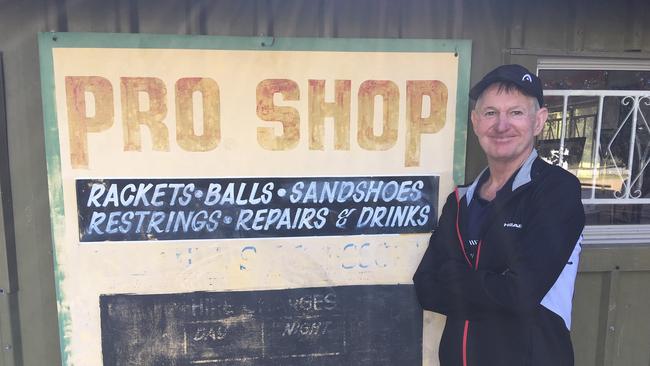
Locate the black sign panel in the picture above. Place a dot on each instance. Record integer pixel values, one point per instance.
(174, 209)
(329, 326)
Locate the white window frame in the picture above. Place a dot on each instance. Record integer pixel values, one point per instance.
(603, 234)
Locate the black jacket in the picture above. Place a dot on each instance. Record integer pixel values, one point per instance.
(493, 302)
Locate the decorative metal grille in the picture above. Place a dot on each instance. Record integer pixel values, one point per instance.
(603, 137)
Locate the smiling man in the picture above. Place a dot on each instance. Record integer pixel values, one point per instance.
(501, 264)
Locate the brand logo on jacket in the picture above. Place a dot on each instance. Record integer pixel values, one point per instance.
(512, 224)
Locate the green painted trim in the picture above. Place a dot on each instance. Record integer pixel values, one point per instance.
(48, 41)
(126, 40)
(464, 52)
(53, 159)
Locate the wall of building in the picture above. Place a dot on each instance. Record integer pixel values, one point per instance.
(611, 325)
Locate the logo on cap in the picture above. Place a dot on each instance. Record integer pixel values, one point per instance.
(527, 78)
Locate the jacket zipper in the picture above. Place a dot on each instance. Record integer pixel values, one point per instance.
(478, 252)
(478, 256)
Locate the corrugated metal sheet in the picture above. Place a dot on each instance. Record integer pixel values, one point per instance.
(502, 31)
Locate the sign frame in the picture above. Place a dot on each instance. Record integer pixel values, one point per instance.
(49, 41)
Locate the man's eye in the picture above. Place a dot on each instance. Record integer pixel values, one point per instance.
(517, 113)
(490, 113)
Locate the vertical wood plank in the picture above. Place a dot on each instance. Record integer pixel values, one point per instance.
(607, 322)
(196, 16)
(10, 343)
(263, 19)
(576, 40)
(367, 18)
(457, 23)
(20, 21)
(585, 317)
(232, 18)
(544, 25)
(634, 32)
(427, 19)
(327, 19)
(517, 25)
(86, 16)
(604, 24)
(123, 16)
(8, 271)
(632, 341)
(51, 17)
(645, 26)
(296, 18)
(166, 17)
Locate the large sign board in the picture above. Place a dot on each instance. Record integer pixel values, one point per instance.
(246, 201)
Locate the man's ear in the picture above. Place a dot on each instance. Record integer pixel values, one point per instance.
(540, 119)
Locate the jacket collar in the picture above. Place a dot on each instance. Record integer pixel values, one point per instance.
(522, 177)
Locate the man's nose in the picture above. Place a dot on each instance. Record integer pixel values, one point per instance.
(502, 122)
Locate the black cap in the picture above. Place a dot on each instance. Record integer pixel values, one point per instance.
(528, 82)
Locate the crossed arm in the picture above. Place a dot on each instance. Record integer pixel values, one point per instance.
(446, 284)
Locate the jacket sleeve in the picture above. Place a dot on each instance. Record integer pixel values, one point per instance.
(431, 291)
(555, 219)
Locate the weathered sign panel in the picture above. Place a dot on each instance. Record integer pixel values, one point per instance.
(230, 208)
(323, 326)
(246, 200)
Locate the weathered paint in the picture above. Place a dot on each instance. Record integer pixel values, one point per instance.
(566, 29)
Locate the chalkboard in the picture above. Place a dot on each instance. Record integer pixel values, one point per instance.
(225, 208)
(328, 326)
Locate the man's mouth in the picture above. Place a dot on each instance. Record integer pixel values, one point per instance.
(501, 138)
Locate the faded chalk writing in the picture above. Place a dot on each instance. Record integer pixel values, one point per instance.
(328, 326)
(306, 328)
(212, 333)
(315, 302)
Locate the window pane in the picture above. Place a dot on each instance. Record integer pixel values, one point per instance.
(603, 137)
(595, 79)
(578, 137)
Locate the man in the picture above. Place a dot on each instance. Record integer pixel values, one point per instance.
(502, 262)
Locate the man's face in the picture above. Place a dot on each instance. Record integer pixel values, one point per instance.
(506, 124)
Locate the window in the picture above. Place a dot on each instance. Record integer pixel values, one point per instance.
(599, 129)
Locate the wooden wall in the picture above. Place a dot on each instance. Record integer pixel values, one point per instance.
(612, 325)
